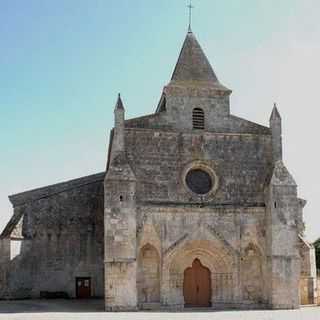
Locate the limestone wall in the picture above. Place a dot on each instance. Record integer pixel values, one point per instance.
(4, 264)
(120, 286)
(282, 227)
(308, 276)
(160, 159)
(318, 291)
(230, 242)
(63, 239)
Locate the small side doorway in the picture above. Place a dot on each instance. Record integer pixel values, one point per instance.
(83, 288)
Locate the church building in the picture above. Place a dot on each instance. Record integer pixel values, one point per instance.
(196, 208)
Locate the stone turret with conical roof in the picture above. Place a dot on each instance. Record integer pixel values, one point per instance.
(194, 86)
(284, 220)
(276, 131)
(119, 126)
(120, 222)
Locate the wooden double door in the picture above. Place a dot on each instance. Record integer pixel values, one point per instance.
(83, 288)
(197, 285)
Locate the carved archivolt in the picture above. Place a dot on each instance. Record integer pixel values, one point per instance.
(213, 255)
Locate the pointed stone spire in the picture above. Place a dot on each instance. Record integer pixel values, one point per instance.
(275, 113)
(193, 66)
(119, 104)
(119, 116)
(276, 131)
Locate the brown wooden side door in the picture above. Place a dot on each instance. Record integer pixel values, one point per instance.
(197, 285)
(83, 288)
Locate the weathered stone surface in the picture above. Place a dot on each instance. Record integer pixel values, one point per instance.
(63, 239)
(142, 226)
(245, 230)
(308, 277)
(242, 163)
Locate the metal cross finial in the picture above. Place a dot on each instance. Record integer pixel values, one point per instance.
(190, 6)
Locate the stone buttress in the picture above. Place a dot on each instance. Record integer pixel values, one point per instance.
(283, 218)
(120, 224)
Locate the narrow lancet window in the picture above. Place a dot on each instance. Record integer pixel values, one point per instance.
(198, 118)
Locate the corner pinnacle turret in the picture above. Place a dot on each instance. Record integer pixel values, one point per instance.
(119, 127)
(275, 113)
(276, 131)
(119, 104)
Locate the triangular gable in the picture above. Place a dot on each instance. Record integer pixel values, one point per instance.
(204, 232)
(13, 229)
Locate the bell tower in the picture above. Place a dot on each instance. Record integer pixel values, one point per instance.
(194, 89)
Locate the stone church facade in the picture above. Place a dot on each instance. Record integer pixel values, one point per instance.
(195, 209)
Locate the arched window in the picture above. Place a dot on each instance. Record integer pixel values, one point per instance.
(198, 118)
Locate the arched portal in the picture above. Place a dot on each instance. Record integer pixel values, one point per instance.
(197, 285)
(148, 280)
(221, 262)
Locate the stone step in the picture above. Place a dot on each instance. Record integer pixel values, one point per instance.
(151, 306)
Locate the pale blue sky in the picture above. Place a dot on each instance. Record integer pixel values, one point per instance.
(63, 63)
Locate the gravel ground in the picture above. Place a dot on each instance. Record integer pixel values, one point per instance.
(93, 309)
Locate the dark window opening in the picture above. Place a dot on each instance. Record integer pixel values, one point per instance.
(198, 118)
(121, 198)
(199, 181)
(275, 205)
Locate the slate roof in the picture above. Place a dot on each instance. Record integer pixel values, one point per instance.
(194, 67)
(44, 192)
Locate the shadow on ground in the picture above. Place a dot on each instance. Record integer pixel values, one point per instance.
(94, 309)
(54, 306)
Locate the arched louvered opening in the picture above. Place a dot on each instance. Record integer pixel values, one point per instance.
(198, 118)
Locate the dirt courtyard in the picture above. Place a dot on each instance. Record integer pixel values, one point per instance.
(93, 309)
